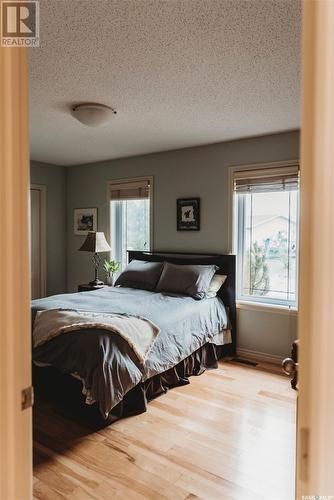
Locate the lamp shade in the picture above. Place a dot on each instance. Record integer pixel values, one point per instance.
(95, 242)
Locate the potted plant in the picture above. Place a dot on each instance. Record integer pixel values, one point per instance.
(111, 267)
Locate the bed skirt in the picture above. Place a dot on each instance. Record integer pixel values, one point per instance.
(66, 391)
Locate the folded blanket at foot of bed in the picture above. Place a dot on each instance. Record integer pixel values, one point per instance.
(120, 361)
(139, 333)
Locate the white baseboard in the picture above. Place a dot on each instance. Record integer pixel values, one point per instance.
(259, 356)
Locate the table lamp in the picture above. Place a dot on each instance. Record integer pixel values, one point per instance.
(95, 243)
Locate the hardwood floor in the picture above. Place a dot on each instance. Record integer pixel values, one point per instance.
(230, 434)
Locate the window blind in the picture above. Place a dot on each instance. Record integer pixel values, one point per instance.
(132, 190)
(263, 180)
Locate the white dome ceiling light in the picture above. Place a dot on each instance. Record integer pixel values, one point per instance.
(92, 114)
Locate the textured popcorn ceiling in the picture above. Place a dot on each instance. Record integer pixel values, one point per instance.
(179, 72)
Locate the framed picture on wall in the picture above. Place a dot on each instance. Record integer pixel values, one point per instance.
(85, 220)
(188, 214)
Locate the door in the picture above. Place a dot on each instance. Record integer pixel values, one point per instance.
(38, 241)
(315, 429)
(15, 338)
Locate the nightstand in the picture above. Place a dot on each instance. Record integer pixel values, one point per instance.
(89, 288)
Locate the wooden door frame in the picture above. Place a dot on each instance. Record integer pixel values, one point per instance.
(315, 430)
(15, 363)
(43, 280)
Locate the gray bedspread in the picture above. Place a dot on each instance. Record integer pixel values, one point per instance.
(105, 363)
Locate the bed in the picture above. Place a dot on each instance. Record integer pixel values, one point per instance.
(193, 335)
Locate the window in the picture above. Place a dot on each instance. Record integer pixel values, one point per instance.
(130, 217)
(266, 209)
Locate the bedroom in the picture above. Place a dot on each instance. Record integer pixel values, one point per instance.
(199, 111)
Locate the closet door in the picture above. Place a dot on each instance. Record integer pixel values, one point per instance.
(38, 241)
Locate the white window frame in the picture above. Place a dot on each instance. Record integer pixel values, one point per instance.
(257, 303)
(123, 180)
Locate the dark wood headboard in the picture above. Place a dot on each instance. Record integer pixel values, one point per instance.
(225, 263)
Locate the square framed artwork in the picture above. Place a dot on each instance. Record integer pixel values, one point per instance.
(85, 220)
(188, 214)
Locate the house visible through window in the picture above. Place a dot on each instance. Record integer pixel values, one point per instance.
(266, 204)
(129, 217)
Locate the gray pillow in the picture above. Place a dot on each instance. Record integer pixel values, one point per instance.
(189, 279)
(140, 274)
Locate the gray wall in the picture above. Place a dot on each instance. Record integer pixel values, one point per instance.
(203, 172)
(54, 178)
(270, 333)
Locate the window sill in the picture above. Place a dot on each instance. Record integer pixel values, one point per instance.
(270, 308)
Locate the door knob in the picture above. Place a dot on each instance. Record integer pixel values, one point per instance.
(289, 366)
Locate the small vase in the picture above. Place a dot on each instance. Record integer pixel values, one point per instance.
(110, 280)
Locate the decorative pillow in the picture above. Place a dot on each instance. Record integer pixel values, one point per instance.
(190, 279)
(140, 274)
(216, 283)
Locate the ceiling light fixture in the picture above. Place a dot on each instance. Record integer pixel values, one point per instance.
(93, 114)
